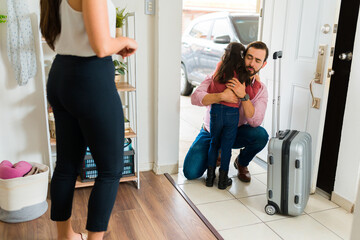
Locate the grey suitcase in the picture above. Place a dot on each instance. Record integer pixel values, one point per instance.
(289, 167)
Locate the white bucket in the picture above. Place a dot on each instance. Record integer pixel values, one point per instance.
(18, 195)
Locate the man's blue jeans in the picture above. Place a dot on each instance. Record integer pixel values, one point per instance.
(252, 139)
(223, 129)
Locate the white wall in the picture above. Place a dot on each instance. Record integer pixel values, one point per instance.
(355, 232)
(158, 85)
(348, 168)
(145, 36)
(23, 122)
(167, 92)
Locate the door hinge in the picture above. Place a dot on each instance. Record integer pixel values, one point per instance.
(335, 28)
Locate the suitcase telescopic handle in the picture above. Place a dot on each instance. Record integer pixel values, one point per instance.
(277, 55)
(276, 120)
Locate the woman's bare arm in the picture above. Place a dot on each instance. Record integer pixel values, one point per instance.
(96, 22)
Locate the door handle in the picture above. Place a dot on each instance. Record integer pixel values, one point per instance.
(315, 101)
(318, 74)
(207, 49)
(320, 64)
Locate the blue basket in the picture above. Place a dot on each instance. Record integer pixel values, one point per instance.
(89, 171)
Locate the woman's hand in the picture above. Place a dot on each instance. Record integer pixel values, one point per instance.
(130, 47)
(236, 87)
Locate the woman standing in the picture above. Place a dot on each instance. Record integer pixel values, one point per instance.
(86, 105)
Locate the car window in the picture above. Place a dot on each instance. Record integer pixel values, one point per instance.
(221, 28)
(201, 30)
(247, 29)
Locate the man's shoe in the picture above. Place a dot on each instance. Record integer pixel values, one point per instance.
(243, 172)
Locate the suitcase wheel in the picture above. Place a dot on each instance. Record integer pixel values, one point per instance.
(270, 209)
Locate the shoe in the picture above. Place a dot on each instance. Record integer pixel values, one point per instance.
(209, 181)
(84, 236)
(224, 180)
(243, 172)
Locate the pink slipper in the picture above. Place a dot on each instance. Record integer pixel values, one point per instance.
(8, 171)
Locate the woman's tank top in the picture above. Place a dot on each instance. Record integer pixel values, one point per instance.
(73, 39)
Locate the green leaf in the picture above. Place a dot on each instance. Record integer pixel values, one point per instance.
(3, 18)
(120, 17)
(116, 63)
(120, 67)
(121, 71)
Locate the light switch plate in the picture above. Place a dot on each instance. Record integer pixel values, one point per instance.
(150, 7)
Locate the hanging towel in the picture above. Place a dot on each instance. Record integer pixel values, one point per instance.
(20, 41)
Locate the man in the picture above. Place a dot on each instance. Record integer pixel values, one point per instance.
(251, 137)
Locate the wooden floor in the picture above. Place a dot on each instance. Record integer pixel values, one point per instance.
(155, 211)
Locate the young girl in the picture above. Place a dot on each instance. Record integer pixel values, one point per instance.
(224, 117)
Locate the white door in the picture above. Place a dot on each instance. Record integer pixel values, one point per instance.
(307, 25)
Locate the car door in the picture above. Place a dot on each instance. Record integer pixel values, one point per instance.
(214, 51)
(193, 50)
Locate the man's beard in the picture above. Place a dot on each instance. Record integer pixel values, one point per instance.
(252, 73)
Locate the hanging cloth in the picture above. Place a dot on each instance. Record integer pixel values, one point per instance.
(20, 41)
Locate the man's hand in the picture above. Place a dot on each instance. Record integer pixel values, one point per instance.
(229, 96)
(236, 87)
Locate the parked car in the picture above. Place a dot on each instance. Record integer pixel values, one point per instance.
(204, 41)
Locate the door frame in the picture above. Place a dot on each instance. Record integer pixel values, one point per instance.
(345, 37)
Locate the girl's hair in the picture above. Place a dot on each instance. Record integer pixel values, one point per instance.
(50, 24)
(233, 61)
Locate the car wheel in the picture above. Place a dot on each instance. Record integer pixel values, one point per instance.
(185, 87)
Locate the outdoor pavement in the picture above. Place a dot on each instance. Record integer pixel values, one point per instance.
(191, 118)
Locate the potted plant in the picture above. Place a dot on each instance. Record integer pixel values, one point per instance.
(120, 69)
(3, 18)
(120, 20)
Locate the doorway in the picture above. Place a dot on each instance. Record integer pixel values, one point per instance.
(191, 117)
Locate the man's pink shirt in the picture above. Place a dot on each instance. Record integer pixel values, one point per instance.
(259, 102)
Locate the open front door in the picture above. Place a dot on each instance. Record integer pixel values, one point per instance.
(308, 40)
(306, 30)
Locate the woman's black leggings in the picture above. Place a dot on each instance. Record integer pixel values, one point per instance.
(88, 112)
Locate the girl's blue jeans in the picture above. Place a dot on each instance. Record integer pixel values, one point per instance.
(252, 139)
(223, 126)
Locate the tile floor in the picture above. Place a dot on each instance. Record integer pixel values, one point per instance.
(238, 212)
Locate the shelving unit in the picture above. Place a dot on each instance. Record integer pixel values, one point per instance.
(127, 91)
